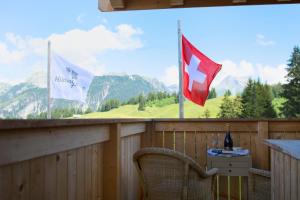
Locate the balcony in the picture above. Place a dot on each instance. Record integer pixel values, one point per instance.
(92, 159)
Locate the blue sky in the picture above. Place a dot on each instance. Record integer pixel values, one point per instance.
(252, 41)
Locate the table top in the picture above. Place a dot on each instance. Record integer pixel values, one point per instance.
(290, 147)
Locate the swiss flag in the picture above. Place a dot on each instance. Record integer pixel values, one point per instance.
(198, 71)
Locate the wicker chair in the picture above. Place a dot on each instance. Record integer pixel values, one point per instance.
(166, 174)
(259, 185)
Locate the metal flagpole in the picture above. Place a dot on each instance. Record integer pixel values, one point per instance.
(180, 94)
(48, 81)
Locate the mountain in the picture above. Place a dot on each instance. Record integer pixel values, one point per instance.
(38, 79)
(4, 87)
(22, 99)
(31, 97)
(234, 84)
(120, 87)
(173, 88)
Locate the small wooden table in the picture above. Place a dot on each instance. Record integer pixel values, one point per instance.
(285, 169)
(231, 166)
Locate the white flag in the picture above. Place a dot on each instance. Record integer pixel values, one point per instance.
(67, 80)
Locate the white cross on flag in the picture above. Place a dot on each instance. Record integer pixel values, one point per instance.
(198, 73)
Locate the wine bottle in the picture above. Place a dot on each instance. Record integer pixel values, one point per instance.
(228, 143)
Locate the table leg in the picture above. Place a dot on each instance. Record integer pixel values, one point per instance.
(218, 190)
(240, 187)
(228, 182)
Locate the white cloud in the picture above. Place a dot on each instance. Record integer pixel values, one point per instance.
(10, 56)
(81, 47)
(80, 19)
(170, 76)
(244, 70)
(263, 41)
(272, 75)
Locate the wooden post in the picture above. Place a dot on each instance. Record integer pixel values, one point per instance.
(111, 164)
(262, 150)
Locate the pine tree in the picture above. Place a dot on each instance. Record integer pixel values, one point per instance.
(237, 106)
(226, 108)
(228, 93)
(142, 103)
(257, 101)
(206, 113)
(212, 93)
(291, 90)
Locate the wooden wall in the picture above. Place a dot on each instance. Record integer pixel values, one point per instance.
(74, 174)
(286, 173)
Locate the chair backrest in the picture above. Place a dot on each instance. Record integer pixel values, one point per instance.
(167, 174)
(259, 185)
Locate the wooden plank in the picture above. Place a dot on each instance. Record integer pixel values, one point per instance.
(286, 126)
(95, 182)
(132, 129)
(176, 2)
(6, 183)
(220, 143)
(263, 156)
(88, 172)
(146, 139)
(20, 145)
(158, 139)
(206, 126)
(281, 175)
(50, 177)
(190, 144)
(298, 177)
(276, 135)
(273, 168)
(100, 171)
(117, 4)
(245, 141)
(123, 180)
(294, 176)
(253, 150)
(287, 177)
(80, 174)
(277, 175)
(20, 182)
(72, 174)
(37, 179)
(111, 164)
(62, 175)
(179, 141)
(201, 148)
(169, 139)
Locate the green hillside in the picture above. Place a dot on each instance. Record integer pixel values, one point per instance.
(169, 111)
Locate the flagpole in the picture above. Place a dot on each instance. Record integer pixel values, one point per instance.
(48, 81)
(180, 94)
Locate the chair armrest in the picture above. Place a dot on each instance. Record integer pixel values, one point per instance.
(260, 172)
(212, 172)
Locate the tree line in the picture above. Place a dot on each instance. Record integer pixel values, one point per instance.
(256, 99)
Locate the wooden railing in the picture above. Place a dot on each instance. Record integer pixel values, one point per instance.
(92, 159)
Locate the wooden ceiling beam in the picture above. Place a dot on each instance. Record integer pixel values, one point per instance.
(176, 2)
(115, 5)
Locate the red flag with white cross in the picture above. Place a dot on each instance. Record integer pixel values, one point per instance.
(198, 71)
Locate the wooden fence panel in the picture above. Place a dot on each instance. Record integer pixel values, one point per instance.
(65, 175)
(129, 178)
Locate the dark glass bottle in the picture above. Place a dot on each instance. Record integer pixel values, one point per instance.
(228, 143)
